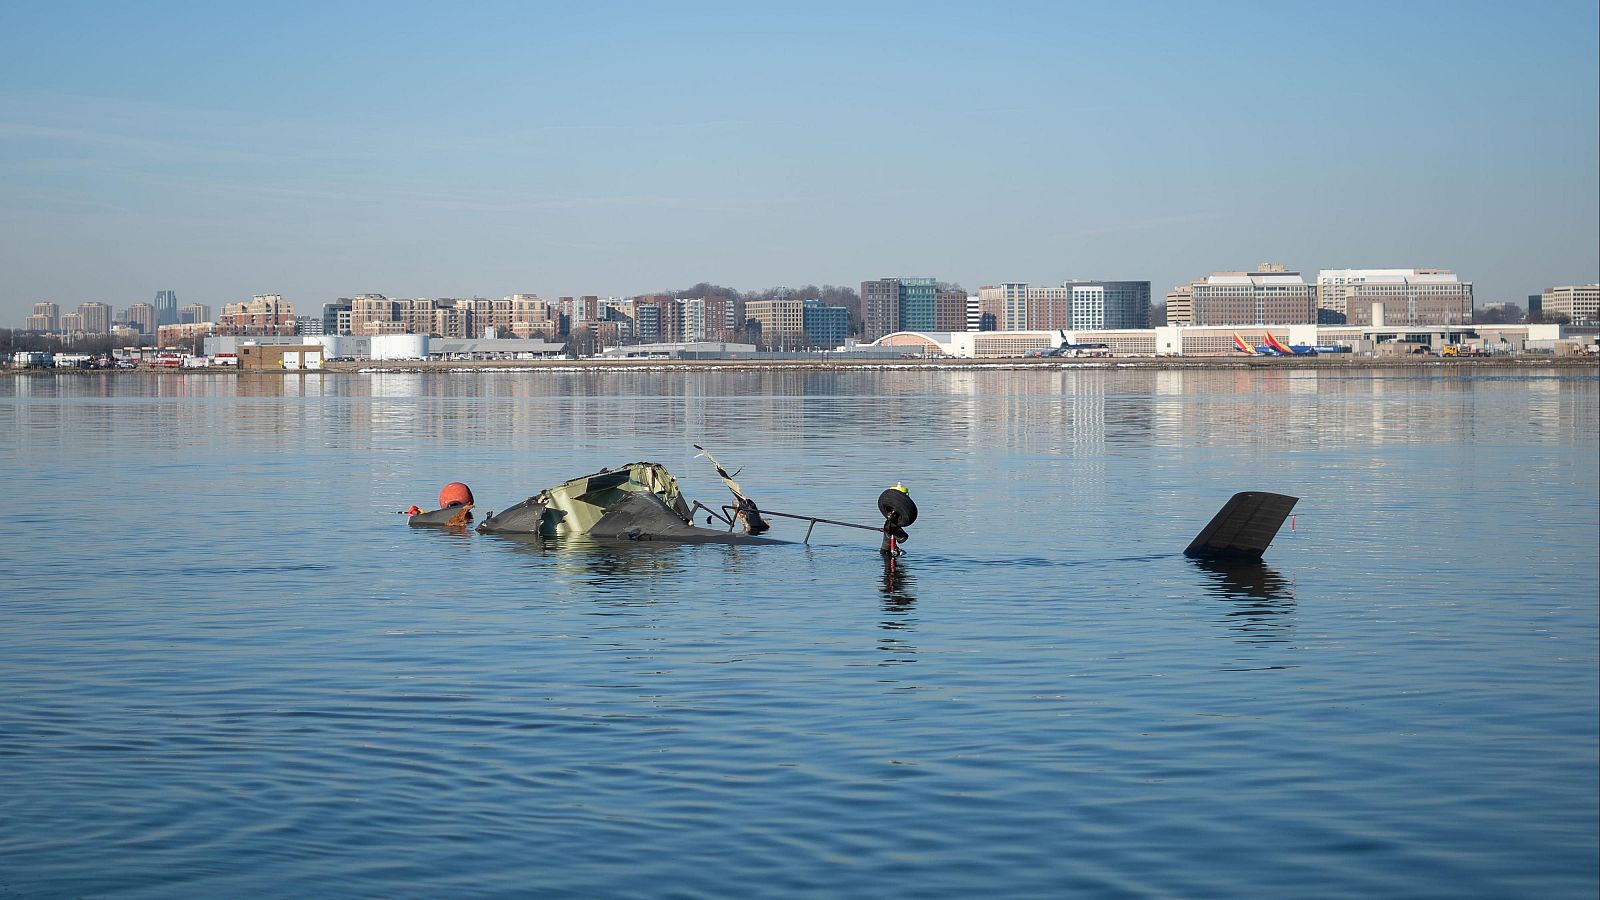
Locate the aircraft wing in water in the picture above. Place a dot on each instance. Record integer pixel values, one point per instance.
(1243, 528)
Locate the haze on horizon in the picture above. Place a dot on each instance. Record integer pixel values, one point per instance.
(322, 150)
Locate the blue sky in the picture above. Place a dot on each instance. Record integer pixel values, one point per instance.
(327, 149)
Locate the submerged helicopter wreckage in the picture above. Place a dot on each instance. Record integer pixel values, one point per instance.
(642, 501)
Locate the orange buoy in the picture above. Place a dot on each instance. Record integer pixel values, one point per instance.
(455, 494)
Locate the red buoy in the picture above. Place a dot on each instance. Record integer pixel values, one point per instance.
(455, 494)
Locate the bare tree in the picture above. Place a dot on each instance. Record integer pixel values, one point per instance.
(845, 296)
(703, 289)
(1501, 314)
(1543, 318)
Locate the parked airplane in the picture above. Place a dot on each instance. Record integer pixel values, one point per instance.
(1068, 348)
(1287, 350)
(1272, 347)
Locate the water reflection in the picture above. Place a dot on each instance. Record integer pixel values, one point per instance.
(896, 588)
(899, 606)
(584, 707)
(1262, 600)
(612, 570)
(1083, 415)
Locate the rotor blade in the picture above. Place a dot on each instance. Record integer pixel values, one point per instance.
(721, 472)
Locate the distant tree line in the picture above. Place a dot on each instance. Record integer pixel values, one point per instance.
(1535, 318)
(18, 341)
(1508, 314)
(1513, 314)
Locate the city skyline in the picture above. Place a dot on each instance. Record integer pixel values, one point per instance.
(1424, 295)
(620, 152)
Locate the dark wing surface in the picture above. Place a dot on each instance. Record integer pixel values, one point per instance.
(1243, 528)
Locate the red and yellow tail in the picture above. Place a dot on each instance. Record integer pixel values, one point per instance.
(1240, 345)
(1277, 345)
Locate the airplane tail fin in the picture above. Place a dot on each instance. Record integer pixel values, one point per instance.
(1243, 528)
(1240, 345)
(1277, 345)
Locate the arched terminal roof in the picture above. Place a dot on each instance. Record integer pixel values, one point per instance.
(936, 341)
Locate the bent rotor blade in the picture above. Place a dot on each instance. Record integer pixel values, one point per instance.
(721, 472)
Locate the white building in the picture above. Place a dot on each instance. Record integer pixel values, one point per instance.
(1578, 302)
(1220, 340)
(1409, 296)
(1270, 295)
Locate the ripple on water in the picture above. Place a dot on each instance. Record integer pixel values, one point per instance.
(281, 691)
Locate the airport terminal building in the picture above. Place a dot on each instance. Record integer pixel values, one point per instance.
(1219, 340)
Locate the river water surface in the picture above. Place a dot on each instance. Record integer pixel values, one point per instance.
(227, 668)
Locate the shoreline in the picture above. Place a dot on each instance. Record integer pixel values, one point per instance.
(1324, 363)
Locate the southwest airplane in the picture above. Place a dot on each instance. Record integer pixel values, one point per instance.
(1272, 347)
(1294, 350)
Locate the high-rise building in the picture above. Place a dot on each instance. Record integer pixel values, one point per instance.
(71, 323)
(950, 310)
(374, 314)
(96, 317)
(194, 314)
(1180, 305)
(1047, 308)
(1270, 295)
(417, 314)
(1018, 306)
(657, 318)
(452, 320)
(585, 309)
(1535, 303)
(918, 303)
(166, 305)
(705, 318)
(46, 317)
(141, 316)
(263, 313)
(527, 314)
(1408, 296)
(899, 304)
(694, 319)
(828, 326)
(618, 326)
(330, 316)
(710, 318)
(1110, 304)
(1005, 304)
(782, 321)
(880, 307)
(975, 315)
(378, 314)
(647, 322)
(1578, 302)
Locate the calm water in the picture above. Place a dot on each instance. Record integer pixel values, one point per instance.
(228, 668)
